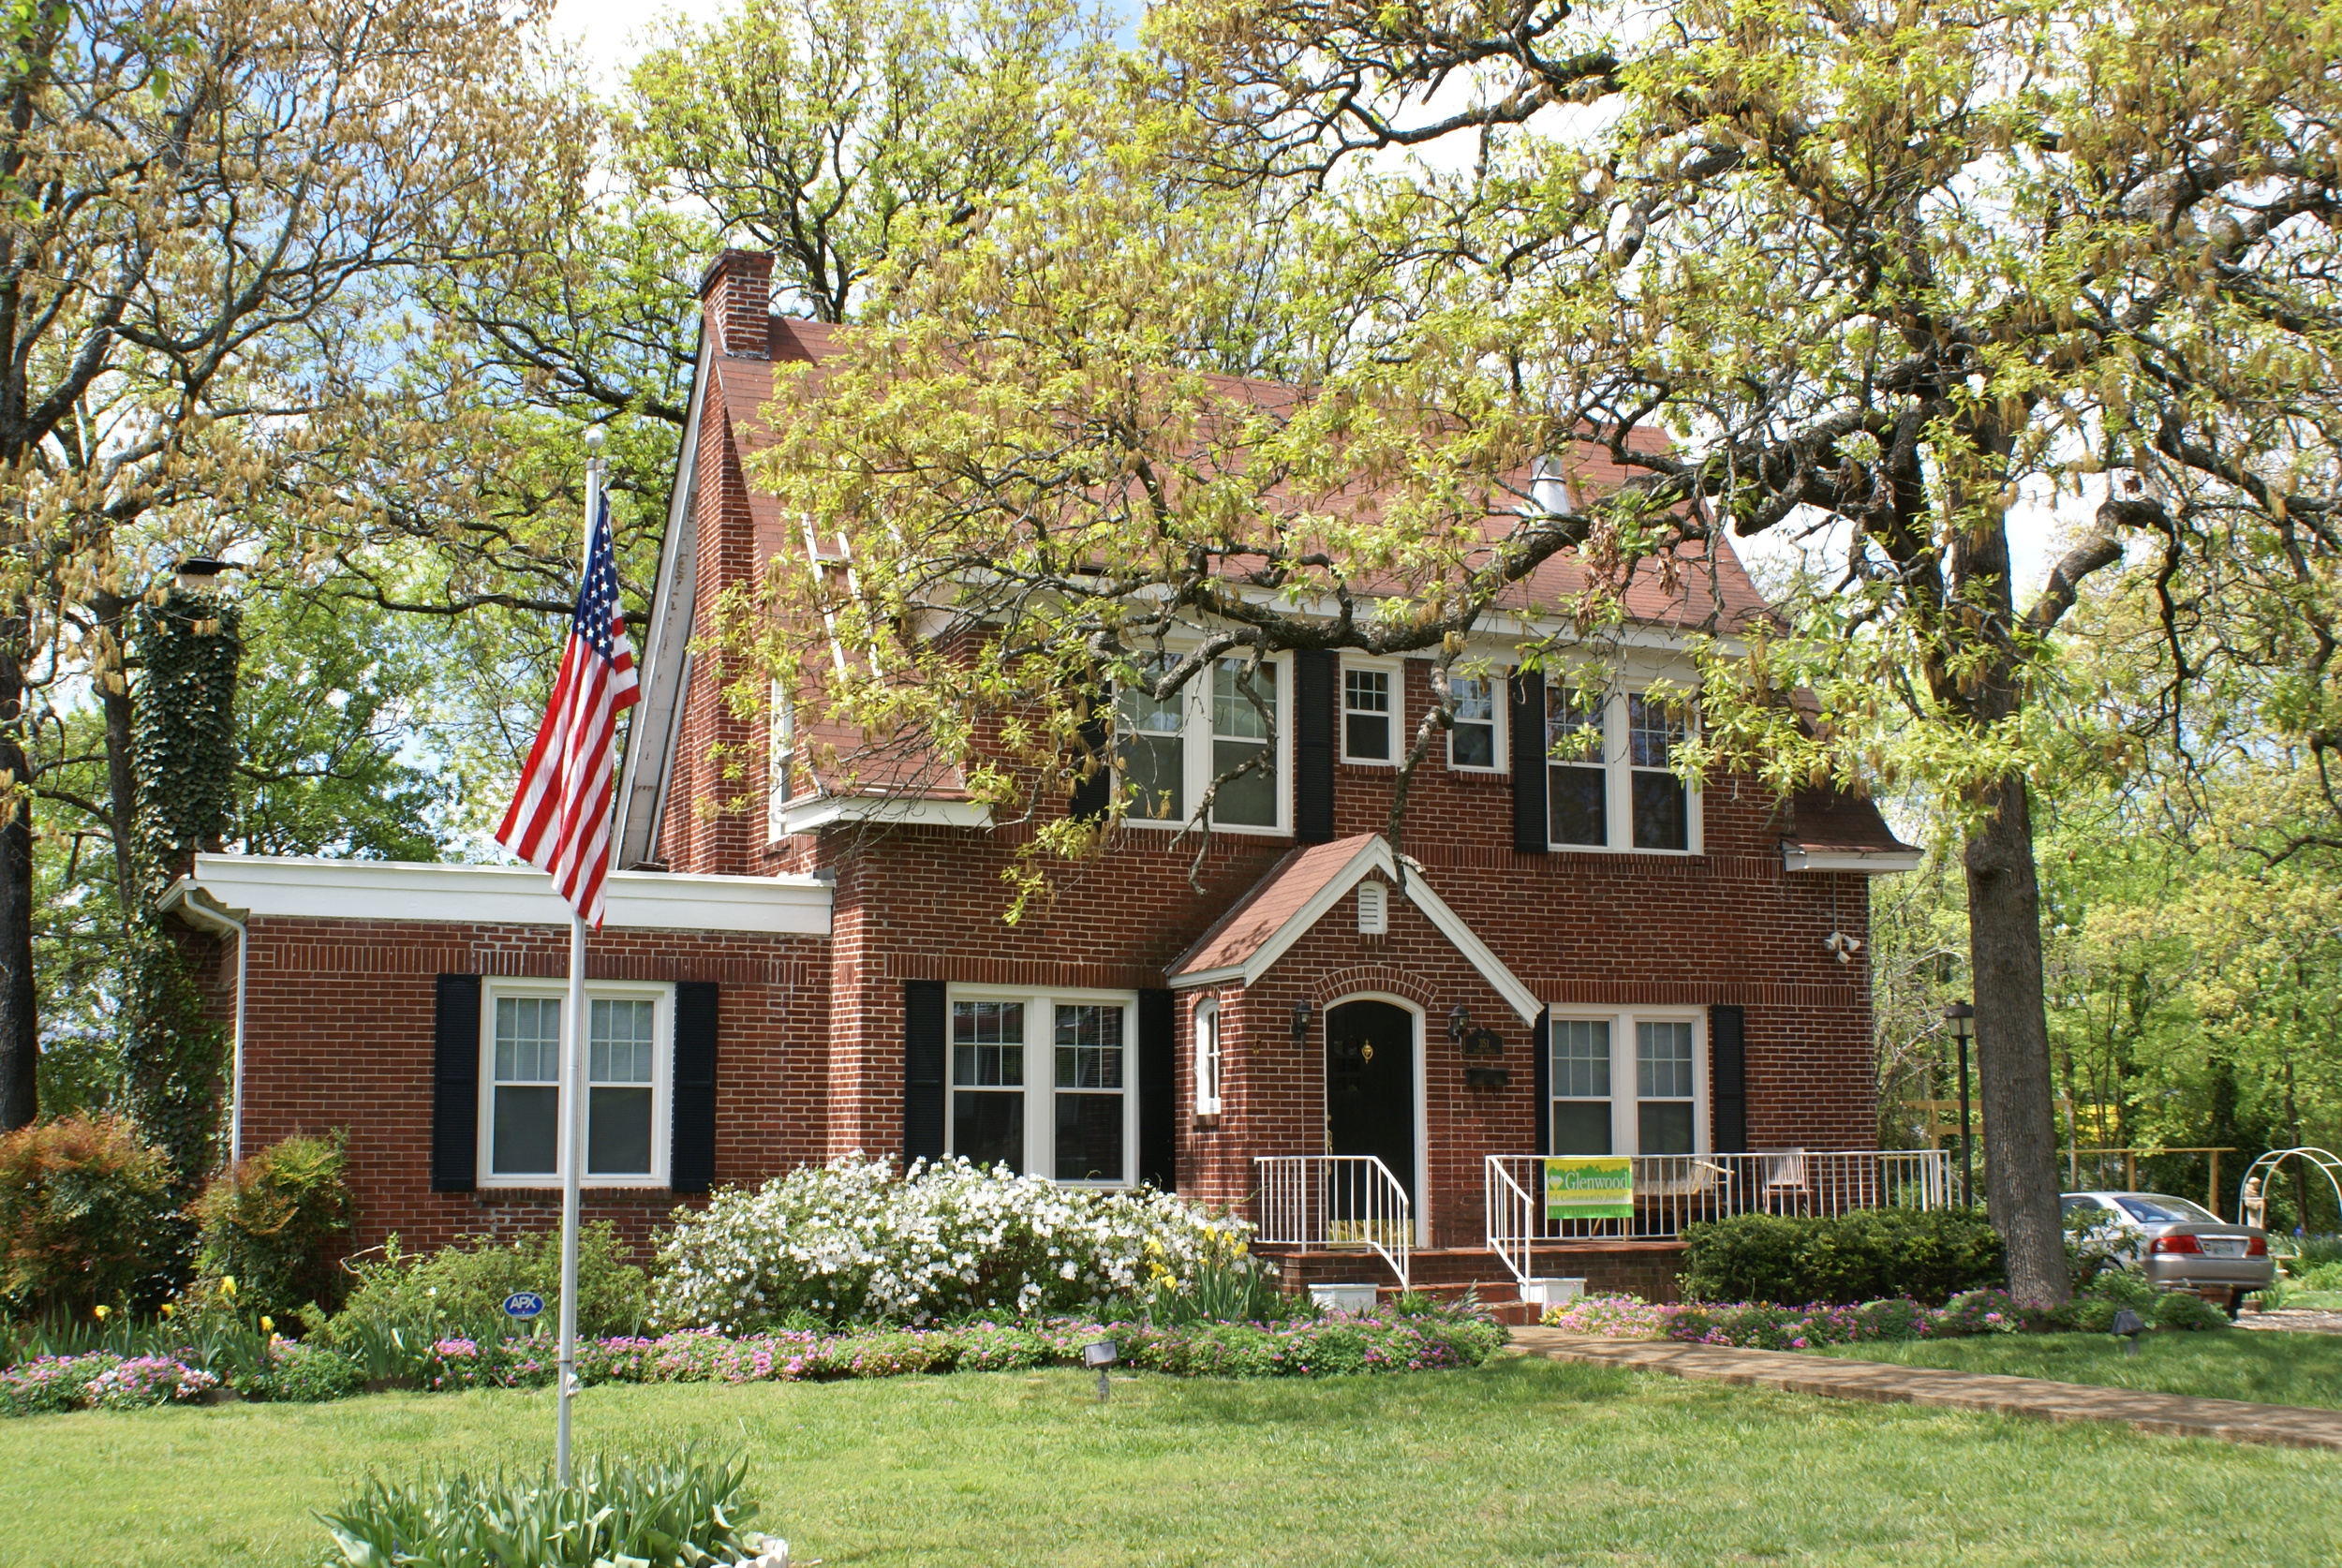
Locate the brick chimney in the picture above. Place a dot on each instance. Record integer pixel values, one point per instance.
(736, 292)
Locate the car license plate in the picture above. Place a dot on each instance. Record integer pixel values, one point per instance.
(2224, 1246)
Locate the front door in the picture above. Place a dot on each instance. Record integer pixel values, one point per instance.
(1369, 1085)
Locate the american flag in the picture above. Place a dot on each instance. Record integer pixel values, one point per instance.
(560, 819)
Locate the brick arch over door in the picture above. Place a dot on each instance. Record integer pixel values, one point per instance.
(1344, 983)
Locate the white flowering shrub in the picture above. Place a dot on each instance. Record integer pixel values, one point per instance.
(853, 1242)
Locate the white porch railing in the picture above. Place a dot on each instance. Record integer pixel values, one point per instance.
(1672, 1190)
(1336, 1202)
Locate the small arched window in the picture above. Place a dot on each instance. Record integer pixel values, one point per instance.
(1208, 1058)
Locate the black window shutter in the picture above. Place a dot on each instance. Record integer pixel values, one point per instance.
(1316, 671)
(923, 1030)
(1091, 794)
(1527, 722)
(455, 1084)
(691, 1151)
(1727, 1077)
(1541, 1071)
(1158, 1092)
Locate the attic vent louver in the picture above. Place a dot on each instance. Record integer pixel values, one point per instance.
(1374, 910)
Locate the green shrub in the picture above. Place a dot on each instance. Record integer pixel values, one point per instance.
(303, 1374)
(2092, 1309)
(271, 1223)
(463, 1286)
(678, 1513)
(1929, 1256)
(2320, 1277)
(83, 1208)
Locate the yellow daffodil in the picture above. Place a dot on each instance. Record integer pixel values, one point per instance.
(169, 1310)
(227, 1284)
(103, 1312)
(268, 1324)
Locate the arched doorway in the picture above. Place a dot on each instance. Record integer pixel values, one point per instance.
(1370, 1086)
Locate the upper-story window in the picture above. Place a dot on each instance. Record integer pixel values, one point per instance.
(1653, 732)
(1244, 731)
(1578, 780)
(1471, 744)
(1369, 713)
(1610, 772)
(1169, 750)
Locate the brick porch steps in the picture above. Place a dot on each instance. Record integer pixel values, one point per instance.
(1448, 1272)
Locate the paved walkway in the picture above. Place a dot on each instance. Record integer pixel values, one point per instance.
(2300, 1319)
(2174, 1415)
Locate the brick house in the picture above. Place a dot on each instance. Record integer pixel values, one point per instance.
(1568, 958)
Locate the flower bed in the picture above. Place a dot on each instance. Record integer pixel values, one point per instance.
(1764, 1326)
(103, 1380)
(1307, 1348)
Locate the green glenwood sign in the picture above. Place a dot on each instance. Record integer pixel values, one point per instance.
(1590, 1187)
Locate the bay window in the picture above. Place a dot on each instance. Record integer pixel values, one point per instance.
(1603, 1101)
(629, 1054)
(1070, 1116)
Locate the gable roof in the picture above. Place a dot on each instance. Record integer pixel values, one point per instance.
(1243, 944)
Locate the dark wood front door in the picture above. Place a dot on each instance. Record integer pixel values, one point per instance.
(1369, 1085)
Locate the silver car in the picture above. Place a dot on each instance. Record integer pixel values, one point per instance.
(2177, 1244)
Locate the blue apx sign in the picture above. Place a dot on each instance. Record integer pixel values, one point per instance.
(524, 1304)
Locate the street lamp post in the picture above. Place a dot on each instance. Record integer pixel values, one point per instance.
(1960, 1018)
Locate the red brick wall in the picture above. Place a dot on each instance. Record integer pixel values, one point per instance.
(338, 1033)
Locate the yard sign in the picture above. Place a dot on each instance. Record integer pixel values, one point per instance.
(1590, 1187)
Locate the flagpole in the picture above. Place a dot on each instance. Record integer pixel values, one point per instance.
(574, 1078)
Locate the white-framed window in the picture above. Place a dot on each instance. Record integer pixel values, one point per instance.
(1473, 745)
(1169, 750)
(1582, 1086)
(1609, 783)
(1042, 1082)
(630, 1052)
(1627, 1083)
(781, 756)
(1373, 712)
(1207, 1057)
(1662, 814)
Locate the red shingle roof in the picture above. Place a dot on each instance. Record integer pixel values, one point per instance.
(1270, 906)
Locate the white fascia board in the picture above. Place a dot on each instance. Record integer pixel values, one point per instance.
(1870, 862)
(822, 811)
(1208, 977)
(1467, 942)
(301, 888)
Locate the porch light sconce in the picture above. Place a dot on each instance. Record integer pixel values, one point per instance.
(1458, 1020)
(1300, 1020)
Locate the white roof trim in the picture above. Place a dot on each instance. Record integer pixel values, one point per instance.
(1871, 863)
(1374, 855)
(666, 670)
(302, 888)
(821, 812)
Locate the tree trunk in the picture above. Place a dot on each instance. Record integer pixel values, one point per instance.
(19, 1027)
(2012, 1046)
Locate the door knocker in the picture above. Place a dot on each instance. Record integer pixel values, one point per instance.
(1366, 1052)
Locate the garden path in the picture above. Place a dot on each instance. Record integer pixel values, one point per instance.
(2174, 1415)
(2300, 1319)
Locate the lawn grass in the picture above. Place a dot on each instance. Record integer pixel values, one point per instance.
(1521, 1462)
(2271, 1366)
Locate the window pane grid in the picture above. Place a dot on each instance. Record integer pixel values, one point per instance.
(1366, 714)
(1090, 1046)
(619, 1043)
(528, 1039)
(1471, 744)
(1663, 1061)
(1652, 733)
(1581, 1058)
(1573, 732)
(989, 1044)
(1241, 732)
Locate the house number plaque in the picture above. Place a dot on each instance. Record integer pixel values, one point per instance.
(1483, 1043)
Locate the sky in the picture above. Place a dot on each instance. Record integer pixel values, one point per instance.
(610, 33)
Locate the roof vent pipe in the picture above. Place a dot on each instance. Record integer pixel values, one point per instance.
(1549, 490)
